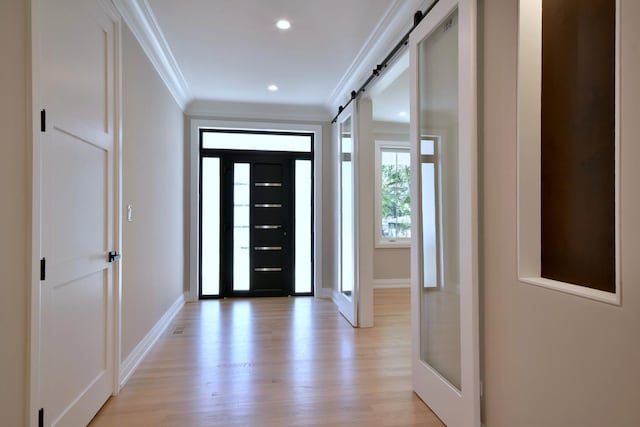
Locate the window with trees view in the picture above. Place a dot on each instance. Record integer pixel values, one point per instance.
(393, 200)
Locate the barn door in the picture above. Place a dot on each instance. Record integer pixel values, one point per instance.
(444, 213)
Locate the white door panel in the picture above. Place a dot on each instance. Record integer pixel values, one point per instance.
(76, 71)
(66, 197)
(444, 213)
(77, 68)
(75, 314)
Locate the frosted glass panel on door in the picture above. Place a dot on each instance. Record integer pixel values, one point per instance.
(440, 301)
(303, 239)
(241, 223)
(430, 245)
(210, 280)
(346, 209)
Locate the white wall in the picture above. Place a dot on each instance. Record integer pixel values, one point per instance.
(14, 210)
(154, 182)
(552, 359)
(329, 180)
(392, 264)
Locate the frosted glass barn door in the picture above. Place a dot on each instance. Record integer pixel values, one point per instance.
(444, 293)
(346, 296)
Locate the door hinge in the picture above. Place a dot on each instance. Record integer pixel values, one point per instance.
(43, 120)
(113, 256)
(41, 417)
(43, 269)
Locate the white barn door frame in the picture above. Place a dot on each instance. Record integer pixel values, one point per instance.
(452, 391)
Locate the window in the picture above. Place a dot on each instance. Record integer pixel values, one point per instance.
(235, 139)
(393, 201)
(569, 151)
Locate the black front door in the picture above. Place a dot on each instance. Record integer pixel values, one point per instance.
(257, 224)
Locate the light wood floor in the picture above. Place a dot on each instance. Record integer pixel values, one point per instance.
(275, 362)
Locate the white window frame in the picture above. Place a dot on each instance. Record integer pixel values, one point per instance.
(381, 242)
(529, 157)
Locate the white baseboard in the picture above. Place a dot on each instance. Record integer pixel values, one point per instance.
(391, 283)
(326, 293)
(130, 364)
(334, 297)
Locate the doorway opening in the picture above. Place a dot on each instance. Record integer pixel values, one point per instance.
(256, 213)
(390, 154)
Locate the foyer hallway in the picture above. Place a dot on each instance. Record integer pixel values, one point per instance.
(275, 362)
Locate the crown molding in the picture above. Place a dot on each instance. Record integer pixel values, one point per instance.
(144, 26)
(254, 111)
(397, 20)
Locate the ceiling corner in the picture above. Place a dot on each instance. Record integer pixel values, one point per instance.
(398, 18)
(143, 24)
(257, 111)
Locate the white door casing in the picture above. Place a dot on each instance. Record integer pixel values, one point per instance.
(76, 190)
(194, 171)
(364, 199)
(457, 405)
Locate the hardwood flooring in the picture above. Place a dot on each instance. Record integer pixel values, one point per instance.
(275, 362)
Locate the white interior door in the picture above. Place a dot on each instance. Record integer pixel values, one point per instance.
(76, 75)
(444, 294)
(347, 296)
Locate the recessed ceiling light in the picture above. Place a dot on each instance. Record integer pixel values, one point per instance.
(272, 88)
(283, 24)
(402, 113)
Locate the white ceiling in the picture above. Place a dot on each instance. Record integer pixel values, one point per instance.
(227, 52)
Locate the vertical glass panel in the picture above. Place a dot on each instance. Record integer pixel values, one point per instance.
(241, 224)
(430, 212)
(346, 209)
(395, 175)
(303, 269)
(427, 145)
(438, 98)
(210, 280)
(429, 229)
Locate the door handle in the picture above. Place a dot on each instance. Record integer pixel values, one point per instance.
(114, 256)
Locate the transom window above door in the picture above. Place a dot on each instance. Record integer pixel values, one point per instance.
(233, 139)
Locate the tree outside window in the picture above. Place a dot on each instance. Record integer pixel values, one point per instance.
(394, 202)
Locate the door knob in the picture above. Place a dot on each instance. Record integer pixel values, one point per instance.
(114, 256)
